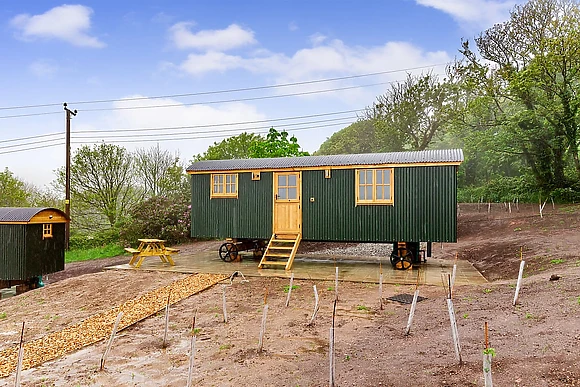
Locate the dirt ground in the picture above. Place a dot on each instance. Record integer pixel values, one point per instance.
(537, 343)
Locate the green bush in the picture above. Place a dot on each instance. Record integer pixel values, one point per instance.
(81, 241)
(158, 217)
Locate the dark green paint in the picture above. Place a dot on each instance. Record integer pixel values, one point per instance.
(424, 208)
(24, 254)
(248, 216)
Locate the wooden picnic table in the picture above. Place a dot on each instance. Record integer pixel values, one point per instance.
(149, 248)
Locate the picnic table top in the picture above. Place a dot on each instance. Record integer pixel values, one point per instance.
(148, 240)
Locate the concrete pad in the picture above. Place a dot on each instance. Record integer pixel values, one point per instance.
(317, 267)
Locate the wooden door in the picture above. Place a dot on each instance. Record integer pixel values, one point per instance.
(287, 200)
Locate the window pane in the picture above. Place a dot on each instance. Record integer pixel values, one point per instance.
(361, 192)
(215, 188)
(220, 188)
(234, 179)
(369, 173)
(387, 192)
(387, 176)
(282, 181)
(379, 177)
(379, 192)
(361, 177)
(234, 188)
(228, 179)
(369, 192)
(292, 180)
(220, 179)
(228, 188)
(292, 193)
(282, 193)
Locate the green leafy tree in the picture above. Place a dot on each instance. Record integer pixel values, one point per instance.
(358, 137)
(160, 172)
(103, 185)
(13, 192)
(412, 113)
(236, 147)
(527, 69)
(277, 144)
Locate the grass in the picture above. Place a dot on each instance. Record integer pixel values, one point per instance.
(287, 288)
(3, 314)
(107, 251)
(487, 290)
(465, 315)
(557, 261)
(362, 307)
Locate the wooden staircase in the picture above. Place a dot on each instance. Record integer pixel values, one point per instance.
(281, 250)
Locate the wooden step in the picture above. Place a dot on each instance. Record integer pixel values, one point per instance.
(279, 263)
(281, 247)
(284, 240)
(284, 255)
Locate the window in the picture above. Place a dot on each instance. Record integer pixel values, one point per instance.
(374, 186)
(327, 173)
(255, 175)
(46, 231)
(287, 187)
(224, 185)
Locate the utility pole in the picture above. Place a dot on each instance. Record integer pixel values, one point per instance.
(67, 177)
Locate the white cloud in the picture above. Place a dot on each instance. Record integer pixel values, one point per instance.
(317, 39)
(333, 58)
(43, 68)
(233, 36)
(474, 14)
(69, 23)
(292, 26)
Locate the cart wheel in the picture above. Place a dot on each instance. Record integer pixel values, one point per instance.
(402, 259)
(228, 252)
(259, 248)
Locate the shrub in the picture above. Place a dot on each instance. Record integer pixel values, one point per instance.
(81, 241)
(158, 217)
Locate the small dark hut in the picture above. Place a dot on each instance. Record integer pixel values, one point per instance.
(32, 244)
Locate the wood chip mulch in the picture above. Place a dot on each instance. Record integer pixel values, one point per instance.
(99, 326)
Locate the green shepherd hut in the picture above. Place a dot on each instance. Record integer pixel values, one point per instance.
(270, 205)
(31, 244)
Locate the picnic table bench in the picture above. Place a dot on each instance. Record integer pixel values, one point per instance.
(149, 248)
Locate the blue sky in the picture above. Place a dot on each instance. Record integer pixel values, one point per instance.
(52, 52)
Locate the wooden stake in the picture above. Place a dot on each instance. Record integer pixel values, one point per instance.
(331, 348)
(166, 320)
(489, 207)
(510, 207)
(224, 305)
(192, 352)
(487, 361)
(381, 289)
(553, 205)
(454, 332)
(519, 283)
(20, 357)
(110, 344)
(290, 289)
(412, 312)
(336, 284)
(263, 326)
(316, 306)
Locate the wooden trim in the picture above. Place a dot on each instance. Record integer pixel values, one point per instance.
(230, 195)
(323, 167)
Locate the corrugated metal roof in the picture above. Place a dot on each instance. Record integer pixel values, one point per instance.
(415, 157)
(20, 214)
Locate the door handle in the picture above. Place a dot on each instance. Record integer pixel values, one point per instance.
(276, 196)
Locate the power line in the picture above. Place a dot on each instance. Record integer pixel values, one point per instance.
(243, 99)
(225, 91)
(205, 137)
(220, 131)
(31, 137)
(31, 143)
(29, 115)
(28, 149)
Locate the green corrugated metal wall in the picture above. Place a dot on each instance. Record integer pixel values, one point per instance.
(44, 256)
(12, 251)
(424, 208)
(248, 216)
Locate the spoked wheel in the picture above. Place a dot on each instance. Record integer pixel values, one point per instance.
(228, 252)
(402, 259)
(259, 248)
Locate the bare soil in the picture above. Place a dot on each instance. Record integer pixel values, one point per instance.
(537, 342)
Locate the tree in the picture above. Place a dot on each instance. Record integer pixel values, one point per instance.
(411, 113)
(236, 147)
(277, 144)
(13, 192)
(358, 137)
(159, 172)
(529, 69)
(102, 185)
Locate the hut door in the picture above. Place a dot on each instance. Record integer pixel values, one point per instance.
(287, 212)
